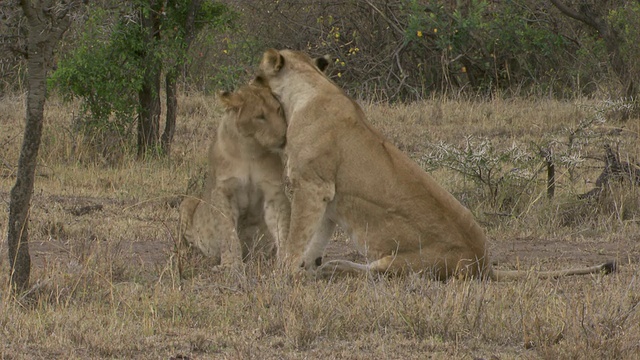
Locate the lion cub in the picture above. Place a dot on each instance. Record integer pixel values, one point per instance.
(244, 206)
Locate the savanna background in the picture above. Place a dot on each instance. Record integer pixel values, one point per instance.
(526, 113)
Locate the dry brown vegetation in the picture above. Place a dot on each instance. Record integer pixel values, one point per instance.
(106, 276)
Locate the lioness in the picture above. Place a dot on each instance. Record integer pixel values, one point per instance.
(344, 171)
(244, 199)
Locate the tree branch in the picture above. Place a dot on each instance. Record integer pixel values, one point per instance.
(574, 14)
(26, 8)
(385, 17)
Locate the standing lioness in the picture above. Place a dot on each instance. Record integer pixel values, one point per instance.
(343, 171)
(244, 194)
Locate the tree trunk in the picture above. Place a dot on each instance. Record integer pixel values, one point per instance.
(149, 113)
(172, 108)
(172, 75)
(18, 234)
(551, 171)
(46, 24)
(149, 95)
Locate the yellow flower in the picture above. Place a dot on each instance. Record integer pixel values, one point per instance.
(419, 33)
(464, 69)
(225, 51)
(435, 30)
(339, 74)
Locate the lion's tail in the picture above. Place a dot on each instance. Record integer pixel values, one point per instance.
(501, 275)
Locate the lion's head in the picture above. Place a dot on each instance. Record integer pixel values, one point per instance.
(258, 114)
(273, 61)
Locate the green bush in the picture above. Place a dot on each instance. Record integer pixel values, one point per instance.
(484, 45)
(105, 72)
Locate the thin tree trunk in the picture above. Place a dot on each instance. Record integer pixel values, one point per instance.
(171, 78)
(149, 95)
(46, 27)
(149, 116)
(172, 108)
(18, 235)
(551, 171)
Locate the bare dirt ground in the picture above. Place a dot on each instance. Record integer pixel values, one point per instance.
(52, 244)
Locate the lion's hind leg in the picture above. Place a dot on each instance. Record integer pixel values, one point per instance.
(346, 267)
(342, 267)
(437, 267)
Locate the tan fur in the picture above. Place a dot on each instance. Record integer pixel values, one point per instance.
(243, 206)
(345, 172)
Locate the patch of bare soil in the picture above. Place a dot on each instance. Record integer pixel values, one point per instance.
(556, 254)
(57, 244)
(68, 229)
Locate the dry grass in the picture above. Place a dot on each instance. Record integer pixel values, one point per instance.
(106, 282)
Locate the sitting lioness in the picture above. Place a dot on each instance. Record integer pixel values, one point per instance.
(344, 172)
(244, 206)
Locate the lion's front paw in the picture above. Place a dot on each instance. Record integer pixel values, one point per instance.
(303, 270)
(310, 266)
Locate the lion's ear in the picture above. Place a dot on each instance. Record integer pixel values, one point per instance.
(322, 63)
(259, 81)
(272, 62)
(230, 100)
